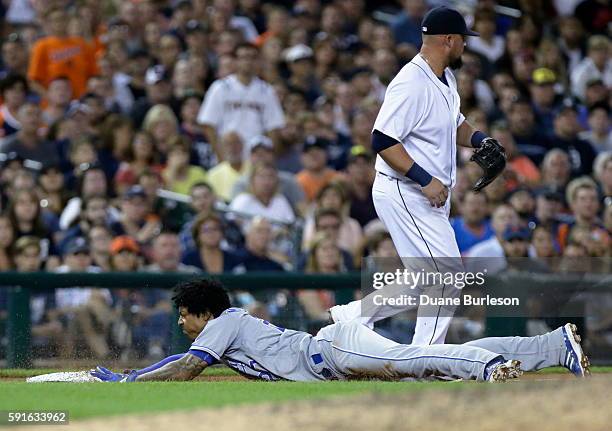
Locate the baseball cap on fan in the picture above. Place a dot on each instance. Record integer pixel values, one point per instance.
(443, 20)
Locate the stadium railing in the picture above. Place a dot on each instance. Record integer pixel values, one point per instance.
(524, 286)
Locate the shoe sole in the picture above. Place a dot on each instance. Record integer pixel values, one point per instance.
(574, 339)
(506, 371)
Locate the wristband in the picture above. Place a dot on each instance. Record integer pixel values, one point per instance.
(419, 175)
(477, 138)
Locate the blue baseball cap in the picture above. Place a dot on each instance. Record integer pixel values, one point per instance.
(444, 20)
(513, 232)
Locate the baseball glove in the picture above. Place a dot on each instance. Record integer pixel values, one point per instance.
(491, 157)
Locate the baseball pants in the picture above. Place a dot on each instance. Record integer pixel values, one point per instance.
(420, 233)
(351, 349)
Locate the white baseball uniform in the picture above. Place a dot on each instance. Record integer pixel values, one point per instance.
(422, 113)
(250, 110)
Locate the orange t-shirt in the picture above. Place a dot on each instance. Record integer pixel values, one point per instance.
(53, 57)
(312, 184)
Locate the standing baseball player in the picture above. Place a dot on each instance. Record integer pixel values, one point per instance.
(416, 135)
(258, 349)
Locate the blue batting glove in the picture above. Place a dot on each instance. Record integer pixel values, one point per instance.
(107, 375)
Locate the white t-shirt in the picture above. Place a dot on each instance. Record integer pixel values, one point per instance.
(422, 113)
(279, 208)
(491, 52)
(248, 110)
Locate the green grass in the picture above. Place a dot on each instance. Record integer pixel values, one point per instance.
(95, 399)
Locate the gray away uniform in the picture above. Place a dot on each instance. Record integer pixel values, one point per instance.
(258, 349)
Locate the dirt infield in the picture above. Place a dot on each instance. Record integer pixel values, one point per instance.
(524, 405)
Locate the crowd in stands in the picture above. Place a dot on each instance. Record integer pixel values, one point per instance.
(210, 136)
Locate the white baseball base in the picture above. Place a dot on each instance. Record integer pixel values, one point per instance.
(67, 376)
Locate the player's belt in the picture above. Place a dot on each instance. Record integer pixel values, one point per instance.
(403, 180)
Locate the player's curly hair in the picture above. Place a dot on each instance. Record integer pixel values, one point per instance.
(201, 295)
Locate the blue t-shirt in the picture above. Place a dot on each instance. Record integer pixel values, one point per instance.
(466, 238)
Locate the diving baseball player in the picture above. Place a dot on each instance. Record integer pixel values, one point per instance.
(416, 135)
(258, 349)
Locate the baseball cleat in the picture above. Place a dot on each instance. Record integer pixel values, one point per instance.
(505, 371)
(575, 359)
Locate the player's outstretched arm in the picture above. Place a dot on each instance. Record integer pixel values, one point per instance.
(174, 368)
(186, 368)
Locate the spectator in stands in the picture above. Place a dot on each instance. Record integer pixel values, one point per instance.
(7, 238)
(542, 243)
(13, 90)
(519, 165)
(472, 227)
(226, 174)
(263, 197)
(27, 219)
(178, 174)
(329, 221)
(407, 27)
(141, 157)
(14, 56)
(162, 124)
(100, 237)
(202, 153)
(95, 213)
(603, 174)
(571, 41)
(255, 255)
(255, 110)
(27, 142)
(166, 255)
(515, 242)
(523, 202)
(208, 255)
(52, 191)
(59, 54)
(315, 174)
(521, 122)
(136, 218)
(489, 44)
(82, 154)
(158, 91)
(542, 90)
(333, 197)
(597, 65)
(86, 310)
(262, 151)
(581, 195)
(556, 169)
(324, 257)
(302, 78)
(548, 209)
(92, 182)
(59, 95)
(599, 135)
(503, 216)
(125, 254)
(565, 136)
(359, 179)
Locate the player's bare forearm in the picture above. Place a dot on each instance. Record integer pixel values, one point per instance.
(464, 134)
(397, 157)
(186, 368)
